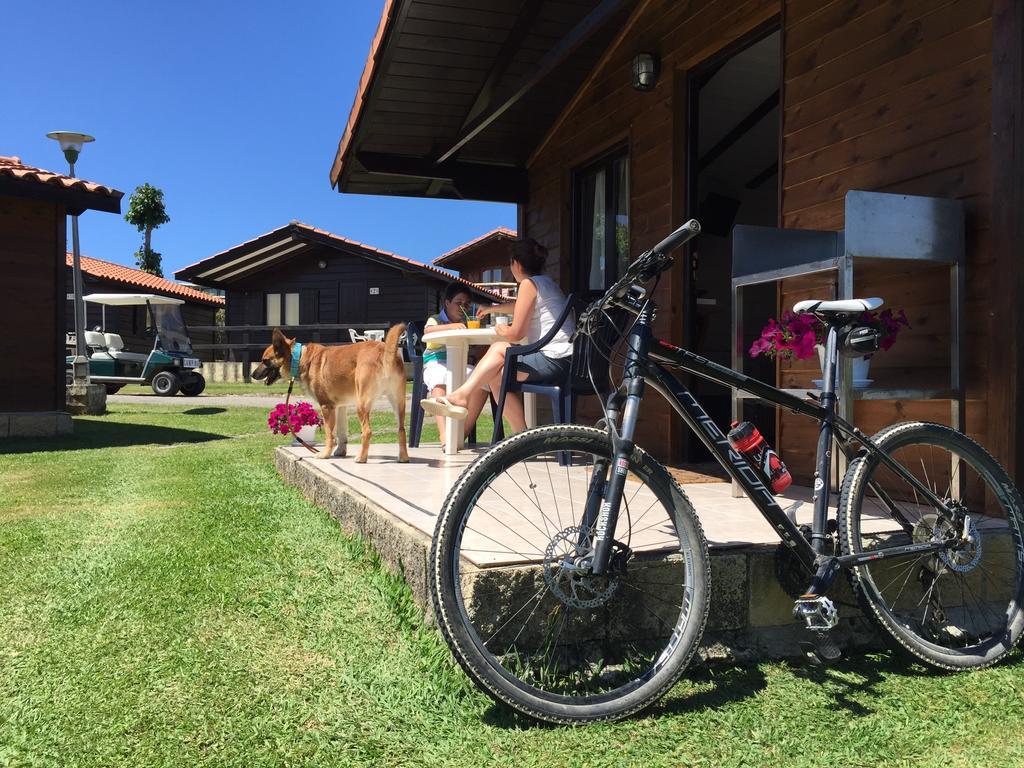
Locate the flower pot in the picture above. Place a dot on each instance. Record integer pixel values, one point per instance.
(307, 433)
(860, 369)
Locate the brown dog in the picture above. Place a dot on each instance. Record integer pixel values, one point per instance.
(340, 376)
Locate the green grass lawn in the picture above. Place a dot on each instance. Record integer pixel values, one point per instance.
(168, 601)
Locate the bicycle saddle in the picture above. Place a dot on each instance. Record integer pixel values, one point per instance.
(844, 306)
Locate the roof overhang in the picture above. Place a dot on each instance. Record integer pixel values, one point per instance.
(130, 299)
(75, 200)
(453, 100)
(487, 246)
(294, 239)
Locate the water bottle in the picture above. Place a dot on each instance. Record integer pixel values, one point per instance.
(746, 439)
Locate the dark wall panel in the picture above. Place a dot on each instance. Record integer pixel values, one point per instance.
(32, 247)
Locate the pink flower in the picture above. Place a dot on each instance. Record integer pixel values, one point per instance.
(288, 419)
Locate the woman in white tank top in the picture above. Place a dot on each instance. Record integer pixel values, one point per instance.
(538, 304)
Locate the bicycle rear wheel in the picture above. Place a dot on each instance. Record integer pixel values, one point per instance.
(513, 596)
(959, 607)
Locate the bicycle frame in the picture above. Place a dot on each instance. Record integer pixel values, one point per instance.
(649, 360)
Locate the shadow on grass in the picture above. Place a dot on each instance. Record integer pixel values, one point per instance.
(204, 411)
(89, 435)
(855, 679)
(727, 684)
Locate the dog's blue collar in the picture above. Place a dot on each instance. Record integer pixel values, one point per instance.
(296, 354)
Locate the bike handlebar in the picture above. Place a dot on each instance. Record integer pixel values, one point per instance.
(646, 267)
(689, 230)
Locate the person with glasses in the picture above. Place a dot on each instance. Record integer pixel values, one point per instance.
(454, 311)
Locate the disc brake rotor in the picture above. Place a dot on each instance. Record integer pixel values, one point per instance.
(566, 572)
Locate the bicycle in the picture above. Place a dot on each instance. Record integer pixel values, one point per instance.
(593, 612)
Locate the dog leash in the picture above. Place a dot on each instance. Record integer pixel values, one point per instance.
(296, 354)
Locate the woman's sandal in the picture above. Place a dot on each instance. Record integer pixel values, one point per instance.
(441, 407)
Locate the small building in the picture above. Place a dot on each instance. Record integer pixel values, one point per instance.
(34, 206)
(130, 322)
(317, 285)
(484, 261)
(610, 123)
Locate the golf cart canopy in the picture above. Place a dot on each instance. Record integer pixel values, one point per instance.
(129, 299)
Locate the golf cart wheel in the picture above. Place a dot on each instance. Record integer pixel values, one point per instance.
(166, 384)
(193, 384)
(113, 389)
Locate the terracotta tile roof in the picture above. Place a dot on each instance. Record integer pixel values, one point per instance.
(136, 278)
(494, 234)
(301, 227)
(13, 167)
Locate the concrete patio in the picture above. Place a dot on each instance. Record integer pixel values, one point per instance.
(396, 506)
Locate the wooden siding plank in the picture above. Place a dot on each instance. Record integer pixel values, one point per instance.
(939, 56)
(860, 117)
(889, 138)
(893, 46)
(952, 151)
(861, 33)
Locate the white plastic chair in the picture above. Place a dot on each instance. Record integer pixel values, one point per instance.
(355, 335)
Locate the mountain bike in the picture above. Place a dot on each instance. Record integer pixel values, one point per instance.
(570, 574)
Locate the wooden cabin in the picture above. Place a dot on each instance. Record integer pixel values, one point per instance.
(610, 122)
(130, 322)
(485, 261)
(34, 206)
(313, 281)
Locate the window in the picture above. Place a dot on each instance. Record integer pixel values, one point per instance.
(273, 309)
(291, 309)
(491, 276)
(601, 217)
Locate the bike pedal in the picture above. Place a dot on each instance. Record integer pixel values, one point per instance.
(819, 614)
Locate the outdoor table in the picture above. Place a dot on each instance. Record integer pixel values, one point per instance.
(457, 343)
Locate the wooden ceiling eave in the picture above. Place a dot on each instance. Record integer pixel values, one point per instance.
(494, 175)
(474, 181)
(554, 58)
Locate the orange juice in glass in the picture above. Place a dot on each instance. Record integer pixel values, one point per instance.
(472, 322)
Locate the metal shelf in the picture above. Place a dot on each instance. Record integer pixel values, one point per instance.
(880, 227)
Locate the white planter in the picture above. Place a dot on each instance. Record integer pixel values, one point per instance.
(860, 368)
(305, 433)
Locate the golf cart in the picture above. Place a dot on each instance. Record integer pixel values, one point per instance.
(167, 368)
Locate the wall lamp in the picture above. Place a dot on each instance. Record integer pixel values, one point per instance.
(645, 68)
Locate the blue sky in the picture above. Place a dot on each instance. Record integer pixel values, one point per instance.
(233, 109)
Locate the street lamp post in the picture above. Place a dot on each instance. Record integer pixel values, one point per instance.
(71, 143)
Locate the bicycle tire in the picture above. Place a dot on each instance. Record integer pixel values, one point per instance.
(491, 671)
(963, 589)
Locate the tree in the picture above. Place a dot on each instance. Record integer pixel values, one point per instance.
(146, 211)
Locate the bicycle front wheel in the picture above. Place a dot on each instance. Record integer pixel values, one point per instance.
(514, 596)
(958, 607)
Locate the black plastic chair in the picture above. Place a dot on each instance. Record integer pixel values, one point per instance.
(413, 334)
(560, 392)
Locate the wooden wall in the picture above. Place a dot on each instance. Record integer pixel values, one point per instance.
(32, 247)
(608, 113)
(492, 254)
(339, 293)
(891, 96)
